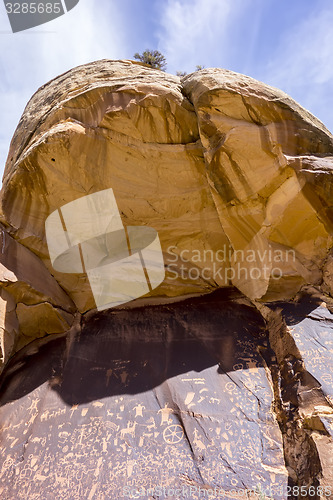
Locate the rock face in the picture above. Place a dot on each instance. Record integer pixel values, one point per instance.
(183, 409)
(224, 371)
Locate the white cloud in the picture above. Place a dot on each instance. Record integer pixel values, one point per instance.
(222, 33)
(94, 29)
(197, 32)
(230, 34)
(302, 64)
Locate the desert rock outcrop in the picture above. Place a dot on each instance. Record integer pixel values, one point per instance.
(228, 362)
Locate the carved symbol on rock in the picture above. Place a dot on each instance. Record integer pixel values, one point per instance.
(129, 430)
(173, 434)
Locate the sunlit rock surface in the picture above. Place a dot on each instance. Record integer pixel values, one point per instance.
(233, 174)
(222, 375)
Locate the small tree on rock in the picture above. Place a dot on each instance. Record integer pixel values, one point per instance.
(153, 58)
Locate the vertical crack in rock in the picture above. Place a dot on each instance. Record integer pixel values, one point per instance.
(289, 375)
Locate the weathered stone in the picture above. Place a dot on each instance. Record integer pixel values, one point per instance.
(156, 396)
(305, 410)
(9, 327)
(222, 169)
(327, 285)
(42, 319)
(23, 275)
(230, 390)
(26, 285)
(255, 140)
(130, 129)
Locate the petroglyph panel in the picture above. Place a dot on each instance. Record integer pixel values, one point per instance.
(166, 396)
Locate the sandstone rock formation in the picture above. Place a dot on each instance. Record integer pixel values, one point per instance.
(229, 361)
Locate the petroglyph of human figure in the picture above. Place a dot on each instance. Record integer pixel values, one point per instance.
(138, 410)
(151, 424)
(165, 412)
(197, 442)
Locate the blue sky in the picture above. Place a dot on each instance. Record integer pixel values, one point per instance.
(285, 43)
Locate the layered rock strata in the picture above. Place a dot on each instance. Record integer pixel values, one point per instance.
(229, 361)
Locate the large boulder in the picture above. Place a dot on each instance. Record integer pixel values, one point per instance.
(214, 378)
(233, 175)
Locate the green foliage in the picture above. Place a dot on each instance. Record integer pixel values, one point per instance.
(153, 58)
(156, 60)
(181, 73)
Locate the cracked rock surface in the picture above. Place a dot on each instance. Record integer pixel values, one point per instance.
(221, 377)
(176, 395)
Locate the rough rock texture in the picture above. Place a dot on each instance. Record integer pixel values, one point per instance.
(191, 407)
(229, 388)
(32, 302)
